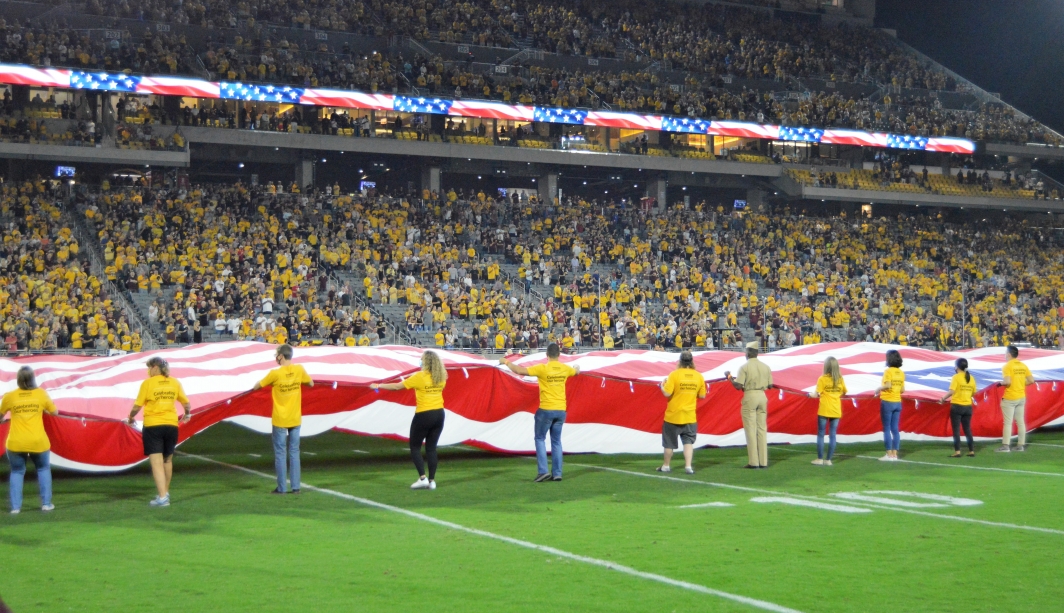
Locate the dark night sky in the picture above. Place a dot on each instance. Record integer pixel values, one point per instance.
(1011, 47)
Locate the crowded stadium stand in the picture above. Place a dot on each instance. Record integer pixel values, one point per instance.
(495, 175)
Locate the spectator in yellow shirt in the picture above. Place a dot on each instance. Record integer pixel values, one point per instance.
(830, 388)
(157, 396)
(683, 387)
(286, 383)
(1015, 377)
(961, 390)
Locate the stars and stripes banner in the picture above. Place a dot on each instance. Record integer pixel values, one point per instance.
(434, 106)
(615, 405)
(743, 129)
(854, 137)
(349, 100)
(631, 121)
(260, 93)
(684, 124)
(551, 115)
(491, 110)
(117, 82)
(801, 134)
(173, 86)
(14, 74)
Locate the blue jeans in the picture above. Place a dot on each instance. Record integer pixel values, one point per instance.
(286, 456)
(890, 413)
(18, 475)
(821, 426)
(552, 421)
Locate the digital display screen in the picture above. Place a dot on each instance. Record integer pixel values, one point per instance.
(740, 204)
(368, 185)
(64, 171)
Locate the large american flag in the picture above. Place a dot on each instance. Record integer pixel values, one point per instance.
(615, 405)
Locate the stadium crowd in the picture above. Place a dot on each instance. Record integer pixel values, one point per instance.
(48, 298)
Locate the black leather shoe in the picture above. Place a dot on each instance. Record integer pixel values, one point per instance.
(749, 466)
(276, 491)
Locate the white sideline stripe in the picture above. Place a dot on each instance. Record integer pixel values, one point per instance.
(255, 455)
(359, 451)
(741, 488)
(627, 570)
(798, 502)
(1047, 445)
(706, 504)
(990, 468)
(957, 502)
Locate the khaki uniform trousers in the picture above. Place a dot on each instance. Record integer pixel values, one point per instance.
(755, 424)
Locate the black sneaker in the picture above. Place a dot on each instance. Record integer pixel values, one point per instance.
(555, 478)
(276, 491)
(296, 491)
(542, 478)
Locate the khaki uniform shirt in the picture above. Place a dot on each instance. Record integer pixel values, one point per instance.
(754, 376)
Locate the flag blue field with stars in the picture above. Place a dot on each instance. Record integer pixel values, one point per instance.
(906, 141)
(552, 115)
(434, 106)
(684, 124)
(260, 93)
(800, 134)
(117, 82)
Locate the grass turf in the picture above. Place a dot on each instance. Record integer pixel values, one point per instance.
(226, 545)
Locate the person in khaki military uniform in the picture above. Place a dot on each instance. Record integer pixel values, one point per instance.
(754, 378)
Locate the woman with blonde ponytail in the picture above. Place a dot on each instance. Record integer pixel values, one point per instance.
(427, 426)
(830, 388)
(157, 396)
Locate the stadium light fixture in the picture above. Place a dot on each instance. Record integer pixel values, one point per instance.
(240, 165)
(479, 177)
(323, 160)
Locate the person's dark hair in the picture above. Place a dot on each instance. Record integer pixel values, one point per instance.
(686, 360)
(962, 365)
(893, 359)
(285, 351)
(1013, 351)
(161, 364)
(26, 379)
(553, 351)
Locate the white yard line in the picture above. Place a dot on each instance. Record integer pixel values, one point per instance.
(1047, 445)
(814, 498)
(627, 570)
(799, 502)
(958, 465)
(706, 504)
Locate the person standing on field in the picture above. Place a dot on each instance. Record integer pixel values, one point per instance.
(26, 438)
(754, 378)
(961, 390)
(830, 388)
(1015, 376)
(286, 385)
(427, 425)
(891, 388)
(683, 388)
(550, 417)
(158, 394)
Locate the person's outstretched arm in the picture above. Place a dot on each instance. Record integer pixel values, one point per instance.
(520, 370)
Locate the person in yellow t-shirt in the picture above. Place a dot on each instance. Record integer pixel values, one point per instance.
(26, 438)
(961, 390)
(427, 425)
(830, 388)
(552, 406)
(286, 387)
(891, 388)
(157, 396)
(1015, 377)
(683, 387)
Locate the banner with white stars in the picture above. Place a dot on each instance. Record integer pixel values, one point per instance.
(801, 134)
(554, 115)
(260, 93)
(433, 106)
(117, 82)
(684, 124)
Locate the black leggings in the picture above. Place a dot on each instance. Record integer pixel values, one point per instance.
(426, 428)
(961, 415)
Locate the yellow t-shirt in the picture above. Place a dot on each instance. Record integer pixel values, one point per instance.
(686, 385)
(157, 395)
(962, 390)
(896, 379)
(27, 407)
(831, 396)
(287, 383)
(429, 397)
(552, 377)
(1018, 372)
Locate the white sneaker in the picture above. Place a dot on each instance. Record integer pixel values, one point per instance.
(48, 507)
(421, 484)
(827, 462)
(886, 458)
(15, 511)
(160, 502)
(664, 469)
(818, 462)
(1003, 449)
(689, 470)
(432, 485)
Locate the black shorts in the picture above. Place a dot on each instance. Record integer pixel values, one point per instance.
(684, 432)
(159, 439)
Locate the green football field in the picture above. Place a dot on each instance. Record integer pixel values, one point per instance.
(613, 536)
